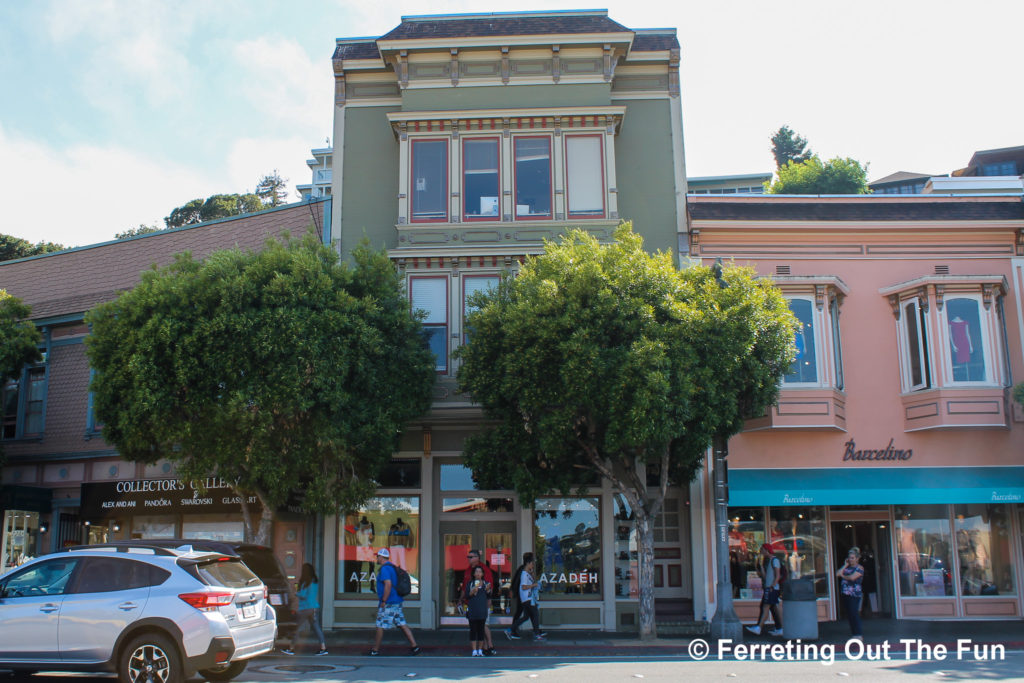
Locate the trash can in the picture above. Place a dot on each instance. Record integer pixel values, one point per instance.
(799, 609)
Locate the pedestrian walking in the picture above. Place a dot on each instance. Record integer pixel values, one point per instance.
(474, 561)
(851, 576)
(770, 569)
(529, 594)
(309, 609)
(478, 602)
(389, 606)
(518, 604)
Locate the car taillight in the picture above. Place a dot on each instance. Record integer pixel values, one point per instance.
(266, 592)
(207, 602)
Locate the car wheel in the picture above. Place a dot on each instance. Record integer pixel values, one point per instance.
(150, 658)
(225, 672)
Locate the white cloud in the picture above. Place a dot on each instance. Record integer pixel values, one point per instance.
(251, 158)
(85, 194)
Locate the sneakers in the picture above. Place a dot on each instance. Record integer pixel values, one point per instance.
(321, 653)
(756, 630)
(490, 652)
(539, 636)
(775, 632)
(374, 653)
(287, 651)
(477, 653)
(510, 635)
(415, 650)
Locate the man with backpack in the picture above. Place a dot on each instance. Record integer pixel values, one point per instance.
(773, 574)
(390, 587)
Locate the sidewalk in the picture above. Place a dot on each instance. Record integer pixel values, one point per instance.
(454, 642)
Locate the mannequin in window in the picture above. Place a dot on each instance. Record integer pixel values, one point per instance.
(364, 546)
(399, 539)
(960, 340)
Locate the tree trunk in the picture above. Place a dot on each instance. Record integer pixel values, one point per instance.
(645, 539)
(266, 523)
(256, 530)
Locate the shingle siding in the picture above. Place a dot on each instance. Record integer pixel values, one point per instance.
(504, 26)
(857, 210)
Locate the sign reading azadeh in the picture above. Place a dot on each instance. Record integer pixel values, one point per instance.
(889, 453)
(158, 497)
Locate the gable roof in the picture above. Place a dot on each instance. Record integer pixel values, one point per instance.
(73, 281)
(651, 41)
(490, 25)
(356, 49)
(900, 176)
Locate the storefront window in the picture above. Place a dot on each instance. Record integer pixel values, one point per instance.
(391, 522)
(567, 543)
(923, 543)
(983, 546)
(153, 526)
(627, 567)
(797, 537)
(212, 528)
(746, 534)
(20, 539)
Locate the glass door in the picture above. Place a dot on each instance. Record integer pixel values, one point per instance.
(496, 542)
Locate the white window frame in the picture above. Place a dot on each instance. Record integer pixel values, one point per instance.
(989, 350)
(817, 324)
(466, 277)
(923, 348)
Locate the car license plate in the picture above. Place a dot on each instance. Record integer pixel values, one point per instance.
(276, 599)
(249, 611)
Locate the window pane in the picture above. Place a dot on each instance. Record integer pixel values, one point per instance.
(437, 340)
(983, 546)
(212, 528)
(34, 401)
(10, 411)
(966, 350)
(627, 560)
(567, 544)
(915, 345)
(837, 344)
(107, 574)
(391, 522)
(45, 578)
(480, 185)
(473, 285)
(746, 534)
(805, 367)
(400, 474)
(923, 542)
(585, 171)
(533, 176)
(430, 295)
(798, 540)
(477, 505)
(429, 179)
(457, 478)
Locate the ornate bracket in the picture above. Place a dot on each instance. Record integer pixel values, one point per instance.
(694, 242)
(673, 72)
(427, 438)
(940, 293)
(339, 84)
(403, 69)
(455, 67)
(819, 296)
(506, 128)
(986, 295)
(455, 128)
(403, 131)
(558, 126)
(894, 302)
(505, 68)
(922, 296)
(607, 62)
(556, 64)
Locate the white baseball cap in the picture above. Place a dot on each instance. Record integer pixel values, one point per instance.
(383, 552)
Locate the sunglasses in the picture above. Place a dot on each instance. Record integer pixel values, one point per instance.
(471, 557)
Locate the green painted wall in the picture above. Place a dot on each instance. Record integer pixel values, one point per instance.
(370, 191)
(644, 172)
(495, 97)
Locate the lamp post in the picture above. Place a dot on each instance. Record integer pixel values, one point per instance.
(725, 624)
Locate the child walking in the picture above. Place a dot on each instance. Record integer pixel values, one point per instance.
(309, 608)
(478, 601)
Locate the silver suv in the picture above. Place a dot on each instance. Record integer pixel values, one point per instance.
(148, 613)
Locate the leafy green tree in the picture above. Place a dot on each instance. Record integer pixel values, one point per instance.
(835, 176)
(286, 372)
(19, 339)
(272, 189)
(787, 146)
(186, 214)
(142, 229)
(15, 247)
(605, 359)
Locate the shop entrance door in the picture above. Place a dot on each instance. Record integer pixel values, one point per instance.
(874, 540)
(496, 541)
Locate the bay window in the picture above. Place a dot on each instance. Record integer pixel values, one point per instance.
(966, 339)
(532, 176)
(915, 345)
(429, 180)
(23, 402)
(805, 366)
(430, 295)
(481, 182)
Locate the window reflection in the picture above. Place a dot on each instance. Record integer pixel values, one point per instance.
(923, 543)
(391, 522)
(567, 543)
(983, 547)
(627, 567)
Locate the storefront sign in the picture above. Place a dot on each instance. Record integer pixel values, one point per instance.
(158, 496)
(571, 577)
(887, 453)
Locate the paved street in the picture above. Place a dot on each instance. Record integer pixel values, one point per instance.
(593, 670)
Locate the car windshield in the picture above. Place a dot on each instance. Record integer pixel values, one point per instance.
(226, 571)
(263, 562)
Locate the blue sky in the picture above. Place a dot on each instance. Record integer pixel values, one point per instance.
(113, 112)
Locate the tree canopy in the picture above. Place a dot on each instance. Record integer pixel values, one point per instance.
(272, 189)
(604, 359)
(15, 247)
(787, 146)
(835, 176)
(19, 339)
(142, 229)
(285, 371)
(213, 207)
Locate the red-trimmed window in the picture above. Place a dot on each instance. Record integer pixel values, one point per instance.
(481, 179)
(584, 176)
(430, 295)
(429, 182)
(533, 196)
(471, 284)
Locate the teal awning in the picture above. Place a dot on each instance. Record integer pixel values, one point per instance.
(876, 486)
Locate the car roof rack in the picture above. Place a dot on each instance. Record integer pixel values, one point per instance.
(125, 547)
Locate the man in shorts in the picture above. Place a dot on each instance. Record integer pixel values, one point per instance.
(389, 607)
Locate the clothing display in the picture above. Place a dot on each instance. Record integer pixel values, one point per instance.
(960, 338)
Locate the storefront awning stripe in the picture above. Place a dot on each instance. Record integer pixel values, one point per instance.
(876, 486)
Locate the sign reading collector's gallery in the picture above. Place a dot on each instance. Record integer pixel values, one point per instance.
(158, 497)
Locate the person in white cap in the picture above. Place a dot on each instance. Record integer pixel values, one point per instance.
(389, 608)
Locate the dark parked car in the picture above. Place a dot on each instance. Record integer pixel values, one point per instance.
(261, 560)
